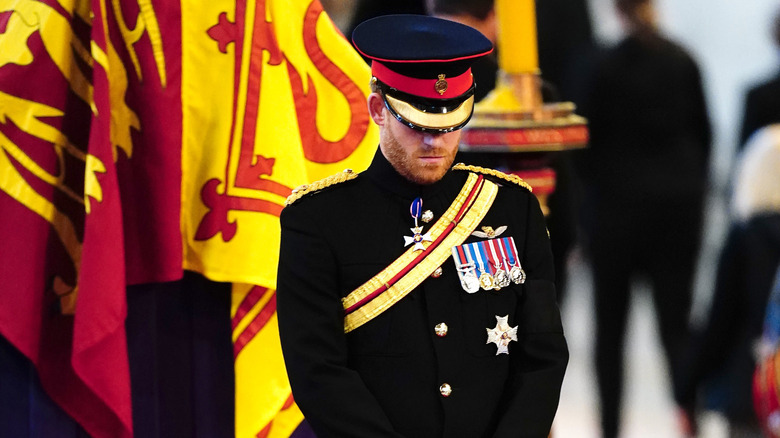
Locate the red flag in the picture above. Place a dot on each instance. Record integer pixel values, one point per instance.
(68, 81)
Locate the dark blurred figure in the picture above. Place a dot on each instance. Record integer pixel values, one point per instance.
(722, 355)
(762, 101)
(565, 40)
(566, 46)
(645, 176)
(365, 9)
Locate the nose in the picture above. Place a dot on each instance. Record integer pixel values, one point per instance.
(433, 139)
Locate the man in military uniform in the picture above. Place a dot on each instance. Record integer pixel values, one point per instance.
(416, 299)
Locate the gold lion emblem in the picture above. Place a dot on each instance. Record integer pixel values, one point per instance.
(441, 85)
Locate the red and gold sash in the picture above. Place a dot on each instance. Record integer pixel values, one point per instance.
(412, 267)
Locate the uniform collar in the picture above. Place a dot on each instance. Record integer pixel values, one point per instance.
(382, 173)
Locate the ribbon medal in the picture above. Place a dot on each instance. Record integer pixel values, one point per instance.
(498, 260)
(465, 265)
(415, 209)
(486, 280)
(489, 264)
(516, 272)
(473, 267)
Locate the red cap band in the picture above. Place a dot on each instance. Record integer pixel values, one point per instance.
(440, 88)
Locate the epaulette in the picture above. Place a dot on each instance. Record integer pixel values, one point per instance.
(305, 189)
(492, 172)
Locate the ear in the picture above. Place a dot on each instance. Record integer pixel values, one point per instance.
(376, 108)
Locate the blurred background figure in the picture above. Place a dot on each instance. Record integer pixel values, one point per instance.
(762, 101)
(722, 355)
(645, 179)
(566, 44)
(365, 9)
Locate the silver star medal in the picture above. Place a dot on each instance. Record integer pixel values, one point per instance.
(502, 334)
(415, 209)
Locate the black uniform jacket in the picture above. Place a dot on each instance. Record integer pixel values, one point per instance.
(383, 379)
(650, 134)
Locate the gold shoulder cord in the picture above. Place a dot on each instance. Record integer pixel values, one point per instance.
(305, 189)
(511, 178)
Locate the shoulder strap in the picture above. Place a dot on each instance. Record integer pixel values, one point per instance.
(407, 272)
(492, 172)
(316, 186)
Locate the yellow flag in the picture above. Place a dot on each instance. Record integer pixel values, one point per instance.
(277, 100)
(273, 96)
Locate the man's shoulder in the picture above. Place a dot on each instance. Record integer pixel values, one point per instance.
(327, 184)
(495, 176)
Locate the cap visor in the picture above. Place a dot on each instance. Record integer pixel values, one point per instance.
(440, 121)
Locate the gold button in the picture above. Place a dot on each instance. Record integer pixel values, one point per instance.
(437, 272)
(441, 329)
(427, 216)
(445, 389)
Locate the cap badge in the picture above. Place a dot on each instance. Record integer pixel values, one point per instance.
(441, 85)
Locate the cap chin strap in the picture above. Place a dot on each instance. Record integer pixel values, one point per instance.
(442, 122)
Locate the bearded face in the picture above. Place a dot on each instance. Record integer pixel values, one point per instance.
(422, 158)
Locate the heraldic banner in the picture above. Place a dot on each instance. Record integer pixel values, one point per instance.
(143, 138)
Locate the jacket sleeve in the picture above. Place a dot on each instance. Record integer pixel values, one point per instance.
(540, 358)
(332, 397)
(709, 348)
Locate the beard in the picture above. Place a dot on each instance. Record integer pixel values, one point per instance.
(411, 166)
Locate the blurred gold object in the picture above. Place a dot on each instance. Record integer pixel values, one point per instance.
(512, 121)
(517, 51)
(513, 118)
